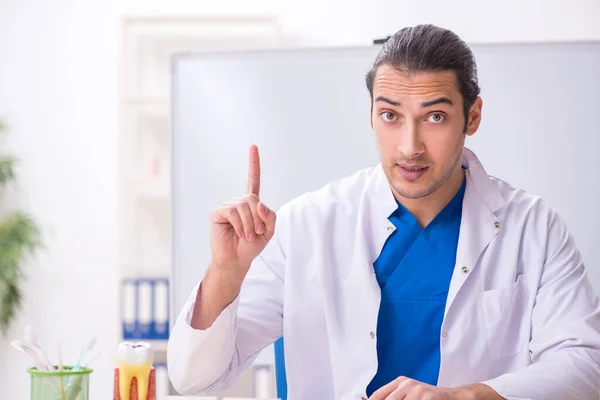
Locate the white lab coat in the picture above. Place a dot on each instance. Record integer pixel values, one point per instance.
(521, 314)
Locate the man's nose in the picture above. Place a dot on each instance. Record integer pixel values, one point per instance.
(410, 143)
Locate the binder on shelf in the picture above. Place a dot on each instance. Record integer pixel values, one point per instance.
(161, 309)
(129, 308)
(145, 309)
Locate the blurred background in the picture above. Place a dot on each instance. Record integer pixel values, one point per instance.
(84, 95)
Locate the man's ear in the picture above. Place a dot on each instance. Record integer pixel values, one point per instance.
(474, 116)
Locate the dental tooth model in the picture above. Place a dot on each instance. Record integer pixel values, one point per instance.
(134, 374)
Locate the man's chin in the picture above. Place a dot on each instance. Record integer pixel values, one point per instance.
(414, 194)
(413, 190)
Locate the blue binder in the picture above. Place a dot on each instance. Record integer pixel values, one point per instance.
(144, 316)
(145, 309)
(160, 307)
(129, 308)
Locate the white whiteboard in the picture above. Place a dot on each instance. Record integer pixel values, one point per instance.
(308, 111)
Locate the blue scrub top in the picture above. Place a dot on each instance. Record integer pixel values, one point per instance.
(414, 271)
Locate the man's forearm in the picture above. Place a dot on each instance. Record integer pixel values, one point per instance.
(216, 291)
(557, 377)
(478, 391)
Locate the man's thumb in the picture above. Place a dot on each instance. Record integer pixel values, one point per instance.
(268, 216)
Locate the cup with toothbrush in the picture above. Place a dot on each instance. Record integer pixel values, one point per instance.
(56, 382)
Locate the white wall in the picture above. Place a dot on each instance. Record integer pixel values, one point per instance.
(58, 90)
(340, 22)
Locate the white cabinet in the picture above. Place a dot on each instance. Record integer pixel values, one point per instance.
(147, 45)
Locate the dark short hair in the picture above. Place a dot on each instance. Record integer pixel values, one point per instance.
(428, 48)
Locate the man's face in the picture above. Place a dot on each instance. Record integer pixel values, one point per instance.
(419, 125)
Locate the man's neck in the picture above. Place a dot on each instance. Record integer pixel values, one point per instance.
(425, 209)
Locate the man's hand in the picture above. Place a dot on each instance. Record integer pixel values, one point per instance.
(239, 230)
(409, 389)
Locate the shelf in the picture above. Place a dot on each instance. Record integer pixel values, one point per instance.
(144, 266)
(158, 345)
(145, 271)
(147, 190)
(179, 28)
(153, 192)
(147, 101)
(153, 110)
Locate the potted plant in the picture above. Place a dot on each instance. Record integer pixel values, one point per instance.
(19, 237)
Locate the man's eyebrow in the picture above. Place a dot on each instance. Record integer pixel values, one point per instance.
(390, 101)
(437, 101)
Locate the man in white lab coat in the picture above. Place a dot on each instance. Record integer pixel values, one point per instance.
(419, 278)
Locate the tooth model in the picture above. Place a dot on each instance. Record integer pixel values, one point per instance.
(134, 374)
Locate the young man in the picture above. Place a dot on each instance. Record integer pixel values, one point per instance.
(420, 278)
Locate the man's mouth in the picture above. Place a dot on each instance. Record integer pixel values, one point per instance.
(412, 172)
(415, 168)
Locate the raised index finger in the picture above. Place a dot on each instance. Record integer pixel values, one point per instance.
(253, 170)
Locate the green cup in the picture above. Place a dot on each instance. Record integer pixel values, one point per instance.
(60, 385)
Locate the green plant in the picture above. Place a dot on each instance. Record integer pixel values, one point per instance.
(19, 237)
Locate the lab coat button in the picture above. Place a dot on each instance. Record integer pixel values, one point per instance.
(372, 335)
(465, 269)
(390, 228)
(497, 224)
(444, 334)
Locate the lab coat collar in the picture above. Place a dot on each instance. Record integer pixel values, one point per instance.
(481, 183)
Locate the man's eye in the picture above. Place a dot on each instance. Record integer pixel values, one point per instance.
(436, 118)
(388, 116)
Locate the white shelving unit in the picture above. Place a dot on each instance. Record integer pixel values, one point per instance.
(147, 45)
